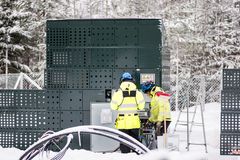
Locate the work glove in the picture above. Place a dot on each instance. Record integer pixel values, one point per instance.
(148, 123)
(158, 129)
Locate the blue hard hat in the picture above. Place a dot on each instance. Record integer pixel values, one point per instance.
(126, 76)
(147, 86)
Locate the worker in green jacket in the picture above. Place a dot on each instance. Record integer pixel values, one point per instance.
(127, 100)
(159, 107)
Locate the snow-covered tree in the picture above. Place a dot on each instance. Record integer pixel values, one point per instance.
(15, 40)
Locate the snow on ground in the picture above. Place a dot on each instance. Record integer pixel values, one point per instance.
(196, 152)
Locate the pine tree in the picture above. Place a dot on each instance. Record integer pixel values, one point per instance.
(14, 38)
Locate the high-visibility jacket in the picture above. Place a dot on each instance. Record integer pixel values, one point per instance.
(127, 100)
(159, 106)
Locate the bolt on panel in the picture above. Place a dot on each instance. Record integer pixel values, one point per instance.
(127, 36)
(102, 58)
(71, 119)
(71, 100)
(100, 78)
(53, 120)
(52, 100)
(126, 58)
(79, 58)
(79, 36)
(78, 79)
(102, 36)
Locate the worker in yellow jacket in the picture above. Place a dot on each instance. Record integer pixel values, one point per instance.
(127, 100)
(160, 110)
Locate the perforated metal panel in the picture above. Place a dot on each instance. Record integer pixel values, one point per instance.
(42, 120)
(53, 120)
(102, 58)
(26, 120)
(103, 33)
(100, 78)
(150, 58)
(230, 115)
(55, 78)
(229, 144)
(150, 36)
(80, 33)
(7, 139)
(71, 100)
(78, 79)
(57, 57)
(7, 99)
(127, 35)
(126, 58)
(92, 96)
(230, 100)
(103, 44)
(79, 57)
(41, 100)
(26, 99)
(24, 139)
(7, 120)
(52, 100)
(86, 117)
(231, 79)
(230, 122)
(71, 119)
(57, 32)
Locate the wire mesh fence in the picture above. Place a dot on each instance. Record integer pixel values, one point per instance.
(17, 81)
(194, 90)
(10, 82)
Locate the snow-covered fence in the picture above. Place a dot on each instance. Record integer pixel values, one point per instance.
(191, 89)
(11, 78)
(17, 81)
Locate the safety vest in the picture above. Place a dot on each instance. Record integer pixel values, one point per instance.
(127, 100)
(160, 106)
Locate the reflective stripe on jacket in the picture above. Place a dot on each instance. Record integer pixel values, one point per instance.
(160, 107)
(127, 100)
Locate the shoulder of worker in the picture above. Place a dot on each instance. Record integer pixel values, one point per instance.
(161, 92)
(158, 89)
(128, 85)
